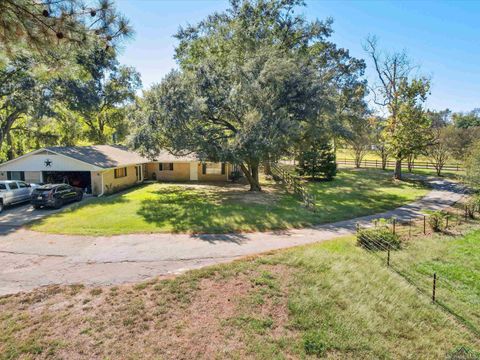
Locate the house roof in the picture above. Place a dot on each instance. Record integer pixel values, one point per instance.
(103, 156)
(165, 156)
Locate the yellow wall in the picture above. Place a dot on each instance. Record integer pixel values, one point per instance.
(181, 172)
(110, 183)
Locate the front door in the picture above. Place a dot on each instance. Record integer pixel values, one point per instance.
(193, 171)
(139, 172)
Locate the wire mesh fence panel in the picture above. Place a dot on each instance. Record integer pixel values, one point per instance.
(441, 267)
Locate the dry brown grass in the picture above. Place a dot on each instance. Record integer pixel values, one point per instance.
(182, 318)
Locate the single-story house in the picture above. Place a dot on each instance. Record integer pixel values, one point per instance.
(103, 169)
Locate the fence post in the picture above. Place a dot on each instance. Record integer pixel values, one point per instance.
(388, 257)
(434, 287)
(424, 225)
(357, 227)
(393, 224)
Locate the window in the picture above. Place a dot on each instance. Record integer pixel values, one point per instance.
(165, 166)
(16, 175)
(119, 173)
(22, 185)
(3, 187)
(213, 168)
(13, 186)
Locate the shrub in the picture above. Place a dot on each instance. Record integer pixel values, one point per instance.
(472, 206)
(378, 239)
(318, 161)
(436, 220)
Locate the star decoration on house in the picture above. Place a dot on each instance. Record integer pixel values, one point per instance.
(48, 163)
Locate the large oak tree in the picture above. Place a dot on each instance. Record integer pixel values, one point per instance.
(251, 81)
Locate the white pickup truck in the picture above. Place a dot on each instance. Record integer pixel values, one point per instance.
(14, 192)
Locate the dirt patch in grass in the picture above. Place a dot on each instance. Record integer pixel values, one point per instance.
(181, 318)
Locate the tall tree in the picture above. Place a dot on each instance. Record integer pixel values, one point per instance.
(249, 79)
(379, 124)
(403, 95)
(101, 94)
(25, 90)
(44, 25)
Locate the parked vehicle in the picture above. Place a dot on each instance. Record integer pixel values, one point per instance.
(55, 195)
(14, 192)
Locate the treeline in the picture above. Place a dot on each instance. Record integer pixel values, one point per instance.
(450, 137)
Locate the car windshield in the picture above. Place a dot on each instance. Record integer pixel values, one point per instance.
(45, 187)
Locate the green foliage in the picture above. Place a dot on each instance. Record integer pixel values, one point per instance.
(318, 162)
(472, 167)
(437, 220)
(252, 82)
(50, 24)
(380, 238)
(101, 95)
(467, 120)
(407, 129)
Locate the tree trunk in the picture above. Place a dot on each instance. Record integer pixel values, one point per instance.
(251, 173)
(410, 161)
(10, 149)
(397, 174)
(266, 168)
(384, 161)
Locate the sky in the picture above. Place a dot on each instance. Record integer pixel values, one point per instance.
(441, 37)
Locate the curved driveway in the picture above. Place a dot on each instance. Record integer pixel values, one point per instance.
(31, 259)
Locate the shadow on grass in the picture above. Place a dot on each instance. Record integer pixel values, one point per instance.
(200, 212)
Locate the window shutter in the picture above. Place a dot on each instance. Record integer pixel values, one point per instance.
(204, 169)
(171, 166)
(160, 166)
(223, 168)
(125, 171)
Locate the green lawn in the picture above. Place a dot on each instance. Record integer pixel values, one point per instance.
(219, 209)
(456, 261)
(330, 300)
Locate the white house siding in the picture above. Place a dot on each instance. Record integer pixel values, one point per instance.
(39, 162)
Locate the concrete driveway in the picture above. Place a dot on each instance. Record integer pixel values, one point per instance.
(30, 259)
(13, 217)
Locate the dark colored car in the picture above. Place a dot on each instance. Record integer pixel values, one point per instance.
(55, 195)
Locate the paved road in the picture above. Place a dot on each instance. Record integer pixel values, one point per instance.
(30, 259)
